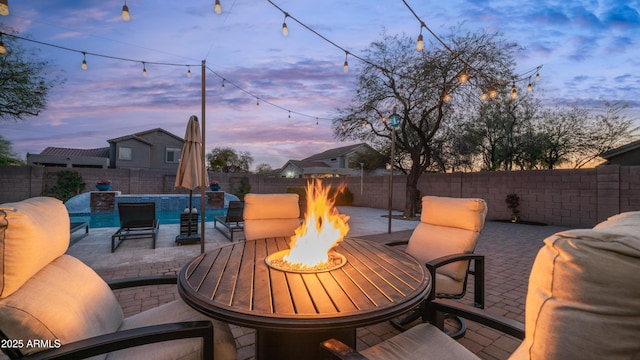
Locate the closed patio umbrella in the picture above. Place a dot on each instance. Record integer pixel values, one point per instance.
(190, 174)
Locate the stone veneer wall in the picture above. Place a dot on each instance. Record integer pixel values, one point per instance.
(573, 197)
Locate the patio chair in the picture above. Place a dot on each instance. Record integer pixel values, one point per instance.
(137, 220)
(270, 215)
(232, 221)
(54, 306)
(582, 303)
(445, 240)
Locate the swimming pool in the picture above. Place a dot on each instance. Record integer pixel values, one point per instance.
(111, 219)
(168, 208)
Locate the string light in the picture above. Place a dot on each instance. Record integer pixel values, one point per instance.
(188, 71)
(493, 93)
(420, 43)
(463, 77)
(529, 86)
(289, 114)
(285, 29)
(346, 63)
(514, 91)
(537, 76)
(218, 8)
(222, 86)
(446, 98)
(3, 49)
(4, 7)
(84, 61)
(144, 69)
(257, 101)
(125, 12)
(317, 122)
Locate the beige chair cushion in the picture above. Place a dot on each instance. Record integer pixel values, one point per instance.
(462, 213)
(270, 215)
(448, 226)
(65, 301)
(421, 342)
(37, 233)
(176, 311)
(583, 300)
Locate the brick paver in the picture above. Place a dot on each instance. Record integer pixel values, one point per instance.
(509, 251)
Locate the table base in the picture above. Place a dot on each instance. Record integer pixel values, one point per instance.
(300, 345)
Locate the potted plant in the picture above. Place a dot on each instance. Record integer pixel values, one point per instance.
(513, 201)
(214, 185)
(103, 185)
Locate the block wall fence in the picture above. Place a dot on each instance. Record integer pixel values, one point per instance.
(572, 197)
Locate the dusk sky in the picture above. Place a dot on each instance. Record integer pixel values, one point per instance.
(589, 50)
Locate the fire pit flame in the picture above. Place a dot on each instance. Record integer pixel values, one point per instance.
(322, 229)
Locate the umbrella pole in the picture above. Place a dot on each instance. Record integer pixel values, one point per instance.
(204, 160)
(190, 215)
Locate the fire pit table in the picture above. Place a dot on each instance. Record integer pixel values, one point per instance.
(293, 312)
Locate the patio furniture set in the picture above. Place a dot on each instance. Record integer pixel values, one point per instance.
(581, 303)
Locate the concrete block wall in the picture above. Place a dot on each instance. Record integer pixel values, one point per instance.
(568, 197)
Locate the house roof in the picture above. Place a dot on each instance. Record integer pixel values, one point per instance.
(621, 150)
(301, 164)
(138, 136)
(68, 152)
(334, 153)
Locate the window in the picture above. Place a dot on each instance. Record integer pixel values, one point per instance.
(124, 153)
(173, 155)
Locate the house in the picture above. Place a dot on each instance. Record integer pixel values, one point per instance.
(151, 149)
(628, 154)
(64, 157)
(331, 163)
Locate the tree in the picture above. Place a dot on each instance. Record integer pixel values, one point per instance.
(24, 81)
(263, 168)
(420, 87)
(7, 156)
(226, 160)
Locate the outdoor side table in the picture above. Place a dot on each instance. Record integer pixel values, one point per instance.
(293, 312)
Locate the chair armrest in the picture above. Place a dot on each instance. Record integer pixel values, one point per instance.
(478, 273)
(447, 259)
(134, 337)
(142, 281)
(397, 243)
(503, 324)
(336, 349)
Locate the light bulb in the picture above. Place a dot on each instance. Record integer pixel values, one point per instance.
(420, 43)
(188, 71)
(222, 86)
(346, 63)
(3, 50)
(4, 7)
(537, 76)
(446, 98)
(529, 87)
(484, 96)
(125, 13)
(514, 92)
(84, 64)
(464, 77)
(144, 70)
(493, 93)
(218, 8)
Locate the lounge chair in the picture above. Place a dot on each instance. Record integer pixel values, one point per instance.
(582, 303)
(233, 220)
(270, 215)
(137, 220)
(445, 240)
(52, 305)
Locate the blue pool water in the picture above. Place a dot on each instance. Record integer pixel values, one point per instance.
(111, 219)
(168, 208)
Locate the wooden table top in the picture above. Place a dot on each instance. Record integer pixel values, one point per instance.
(233, 283)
